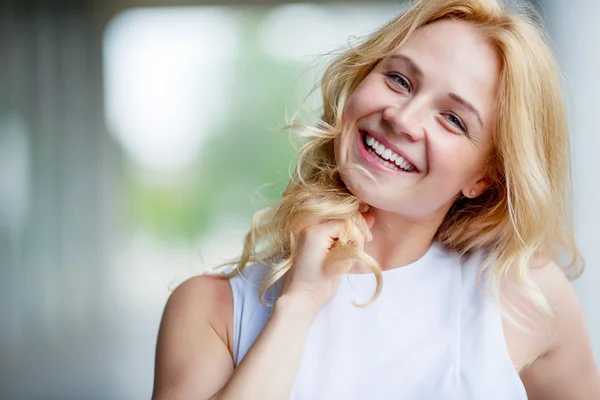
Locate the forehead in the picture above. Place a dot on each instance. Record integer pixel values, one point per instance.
(456, 57)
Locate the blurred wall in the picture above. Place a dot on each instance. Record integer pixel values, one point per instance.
(576, 33)
(57, 170)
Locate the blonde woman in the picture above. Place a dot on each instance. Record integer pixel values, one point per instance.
(411, 255)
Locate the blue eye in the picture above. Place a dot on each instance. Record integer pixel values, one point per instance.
(456, 122)
(399, 80)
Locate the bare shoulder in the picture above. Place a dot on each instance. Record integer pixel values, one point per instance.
(559, 352)
(202, 300)
(193, 352)
(202, 295)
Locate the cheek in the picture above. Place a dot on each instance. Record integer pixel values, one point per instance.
(352, 109)
(363, 101)
(452, 164)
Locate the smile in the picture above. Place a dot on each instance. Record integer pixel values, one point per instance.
(384, 157)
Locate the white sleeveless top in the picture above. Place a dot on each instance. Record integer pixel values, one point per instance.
(430, 335)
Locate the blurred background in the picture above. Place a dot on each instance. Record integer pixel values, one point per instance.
(137, 138)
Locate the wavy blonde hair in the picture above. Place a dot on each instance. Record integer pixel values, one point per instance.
(527, 209)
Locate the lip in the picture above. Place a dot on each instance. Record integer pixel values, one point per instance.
(371, 160)
(389, 145)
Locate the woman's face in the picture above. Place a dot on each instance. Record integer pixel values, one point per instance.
(421, 122)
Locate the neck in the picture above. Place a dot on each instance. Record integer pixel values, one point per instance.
(398, 241)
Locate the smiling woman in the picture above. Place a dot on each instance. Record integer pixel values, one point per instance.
(440, 168)
(420, 115)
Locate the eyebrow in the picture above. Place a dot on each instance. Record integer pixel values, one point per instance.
(410, 63)
(419, 73)
(466, 105)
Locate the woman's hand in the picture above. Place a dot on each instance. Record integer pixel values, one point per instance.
(309, 281)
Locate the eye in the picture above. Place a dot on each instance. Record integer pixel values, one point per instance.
(399, 80)
(456, 121)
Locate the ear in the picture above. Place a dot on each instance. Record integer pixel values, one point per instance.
(473, 190)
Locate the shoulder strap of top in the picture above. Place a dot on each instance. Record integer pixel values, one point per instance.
(249, 314)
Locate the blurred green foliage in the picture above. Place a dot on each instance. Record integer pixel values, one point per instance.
(244, 165)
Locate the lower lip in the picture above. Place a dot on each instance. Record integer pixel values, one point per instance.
(375, 161)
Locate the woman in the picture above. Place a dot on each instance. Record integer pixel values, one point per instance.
(441, 164)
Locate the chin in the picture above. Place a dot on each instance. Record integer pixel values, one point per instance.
(361, 186)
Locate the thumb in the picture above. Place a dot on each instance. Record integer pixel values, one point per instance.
(369, 218)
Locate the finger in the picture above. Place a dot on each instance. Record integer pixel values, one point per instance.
(306, 223)
(369, 218)
(324, 233)
(366, 222)
(357, 236)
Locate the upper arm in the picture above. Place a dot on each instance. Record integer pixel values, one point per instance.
(567, 369)
(193, 360)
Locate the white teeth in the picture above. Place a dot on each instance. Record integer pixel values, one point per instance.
(397, 161)
(387, 164)
(401, 162)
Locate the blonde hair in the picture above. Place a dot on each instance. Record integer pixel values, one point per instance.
(525, 212)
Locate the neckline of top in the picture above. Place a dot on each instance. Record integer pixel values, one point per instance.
(417, 265)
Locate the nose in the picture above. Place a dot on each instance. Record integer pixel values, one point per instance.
(407, 119)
